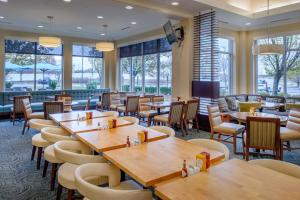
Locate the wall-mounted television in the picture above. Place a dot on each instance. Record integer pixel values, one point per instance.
(170, 33)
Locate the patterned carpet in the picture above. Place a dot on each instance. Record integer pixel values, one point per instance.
(19, 178)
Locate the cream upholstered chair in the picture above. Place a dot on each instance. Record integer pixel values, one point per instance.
(114, 114)
(146, 111)
(164, 129)
(132, 106)
(105, 101)
(191, 113)
(291, 131)
(213, 145)
(223, 128)
(262, 133)
(133, 120)
(74, 154)
(115, 190)
(28, 114)
(174, 117)
(115, 101)
(38, 143)
(280, 166)
(52, 135)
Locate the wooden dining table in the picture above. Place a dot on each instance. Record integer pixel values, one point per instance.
(242, 116)
(73, 115)
(158, 105)
(154, 162)
(116, 138)
(75, 127)
(235, 180)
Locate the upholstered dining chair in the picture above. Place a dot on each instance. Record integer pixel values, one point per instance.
(262, 133)
(74, 154)
(52, 107)
(173, 118)
(228, 130)
(291, 132)
(133, 120)
(146, 111)
(17, 109)
(213, 145)
(104, 104)
(164, 129)
(279, 166)
(28, 114)
(116, 190)
(53, 135)
(132, 106)
(115, 102)
(191, 113)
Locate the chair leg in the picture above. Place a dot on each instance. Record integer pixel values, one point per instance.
(197, 124)
(24, 127)
(149, 121)
(70, 194)
(211, 135)
(182, 129)
(247, 154)
(38, 161)
(14, 119)
(33, 152)
(59, 190)
(53, 176)
(234, 144)
(45, 168)
(186, 124)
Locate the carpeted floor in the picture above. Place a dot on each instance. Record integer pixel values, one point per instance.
(19, 179)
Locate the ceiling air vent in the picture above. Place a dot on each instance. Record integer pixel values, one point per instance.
(125, 28)
(5, 22)
(280, 20)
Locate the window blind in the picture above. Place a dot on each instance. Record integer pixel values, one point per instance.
(205, 59)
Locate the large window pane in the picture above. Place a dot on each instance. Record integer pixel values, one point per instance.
(19, 72)
(48, 72)
(87, 68)
(125, 67)
(151, 73)
(137, 74)
(165, 83)
(224, 73)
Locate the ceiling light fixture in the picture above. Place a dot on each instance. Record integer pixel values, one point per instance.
(105, 46)
(133, 23)
(129, 7)
(79, 27)
(40, 26)
(1, 17)
(4, 1)
(68, 1)
(103, 34)
(100, 17)
(268, 49)
(175, 3)
(47, 41)
(248, 23)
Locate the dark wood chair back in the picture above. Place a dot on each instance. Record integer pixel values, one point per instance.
(18, 103)
(176, 112)
(52, 107)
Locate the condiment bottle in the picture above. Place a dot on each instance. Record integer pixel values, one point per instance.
(184, 172)
(146, 135)
(128, 142)
(114, 123)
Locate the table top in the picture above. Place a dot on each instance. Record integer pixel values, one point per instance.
(235, 180)
(271, 105)
(242, 116)
(116, 138)
(154, 162)
(72, 116)
(161, 104)
(75, 127)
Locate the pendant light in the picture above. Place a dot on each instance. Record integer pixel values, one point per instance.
(105, 46)
(48, 41)
(268, 49)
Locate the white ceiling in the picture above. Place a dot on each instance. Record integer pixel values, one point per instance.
(26, 15)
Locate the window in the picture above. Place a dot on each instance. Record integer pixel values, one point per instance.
(87, 68)
(279, 74)
(29, 66)
(225, 65)
(146, 67)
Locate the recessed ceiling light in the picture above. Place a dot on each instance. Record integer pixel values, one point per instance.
(79, 27)
(129, 7)
(248, 23)
(100, 17)
(40, 26)
(1, 17)
(103, 34)
(175, 3)
(67, 1)
(5, 1)
(133, 23)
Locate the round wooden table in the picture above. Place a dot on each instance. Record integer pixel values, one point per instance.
(242, 116)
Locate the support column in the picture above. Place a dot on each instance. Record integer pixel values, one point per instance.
(67, 59)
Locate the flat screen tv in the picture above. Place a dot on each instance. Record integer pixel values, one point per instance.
(170, 33)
